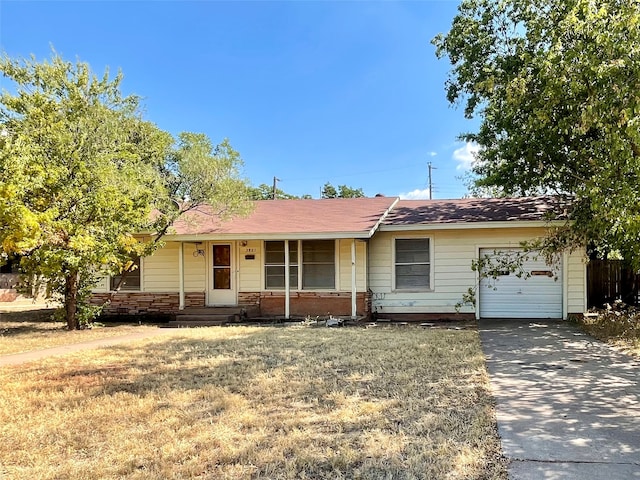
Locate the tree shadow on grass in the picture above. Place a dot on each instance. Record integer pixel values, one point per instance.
(326, 405)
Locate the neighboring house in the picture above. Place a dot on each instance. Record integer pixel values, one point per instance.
(354, 257)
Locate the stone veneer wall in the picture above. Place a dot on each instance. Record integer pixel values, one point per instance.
(134, 303)
(254, 303)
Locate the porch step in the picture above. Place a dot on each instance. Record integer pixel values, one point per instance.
(210, 311)
(205, 317)
(193, 323)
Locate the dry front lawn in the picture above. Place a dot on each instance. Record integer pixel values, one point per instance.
(256, 403)
(34, 330)
(618, 328)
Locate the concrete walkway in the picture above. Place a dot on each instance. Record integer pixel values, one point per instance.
(568, 406)
(18, 358)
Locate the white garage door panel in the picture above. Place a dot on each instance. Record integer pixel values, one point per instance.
(508, 296)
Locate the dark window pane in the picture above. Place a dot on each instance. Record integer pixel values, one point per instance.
(222, 278)
(274, 277)
(412, 276)
(131, 279)
(274, 265)
(318, 264)
(274, 258)
(412, 250)
(318, 276)
(222, 255)
(413, 263)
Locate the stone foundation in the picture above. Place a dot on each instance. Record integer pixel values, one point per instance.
(268, 304)
(138, 303)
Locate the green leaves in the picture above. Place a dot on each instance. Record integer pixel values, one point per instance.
(556, 84)
(343, 191)
(81, 172)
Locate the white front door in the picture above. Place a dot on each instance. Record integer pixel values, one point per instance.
(222, 278)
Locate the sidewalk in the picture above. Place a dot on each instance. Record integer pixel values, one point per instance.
(24, 357)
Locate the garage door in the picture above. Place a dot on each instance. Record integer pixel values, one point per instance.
(507, 296)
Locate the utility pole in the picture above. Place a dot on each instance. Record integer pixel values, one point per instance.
(430, 181)
(275, 187)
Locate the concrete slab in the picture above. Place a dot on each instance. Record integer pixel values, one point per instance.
(568, 406)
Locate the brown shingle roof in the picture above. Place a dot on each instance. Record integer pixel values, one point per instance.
(467, 210)
(336, 216)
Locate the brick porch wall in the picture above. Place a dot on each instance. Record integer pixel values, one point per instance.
(134, 303)
(312, 303)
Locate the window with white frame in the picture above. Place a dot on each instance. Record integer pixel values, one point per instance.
(318, 264)
(412, 264)
(274, 265)
(311, 264)
(131, 279)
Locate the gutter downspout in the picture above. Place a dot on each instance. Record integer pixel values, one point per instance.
(181, 274)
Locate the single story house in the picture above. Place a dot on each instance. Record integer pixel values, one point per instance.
(356, 257)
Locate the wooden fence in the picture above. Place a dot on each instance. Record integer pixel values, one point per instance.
(610, 280)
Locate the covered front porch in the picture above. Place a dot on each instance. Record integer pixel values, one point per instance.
(257, 278)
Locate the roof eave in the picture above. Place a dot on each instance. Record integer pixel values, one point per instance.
(204, 237)
(473, 225)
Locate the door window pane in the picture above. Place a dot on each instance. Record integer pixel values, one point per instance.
(222, 255)
(222, 278)
(222, 267)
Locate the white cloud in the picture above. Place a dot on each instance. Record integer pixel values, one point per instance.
(465, 156)
(415, 195)
(433, 154)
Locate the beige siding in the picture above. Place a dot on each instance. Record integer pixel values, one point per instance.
(195, 267)
(250, 271)
(344, 265)
(160, 270)
(576, 278)
(453, 252)
(102, 285)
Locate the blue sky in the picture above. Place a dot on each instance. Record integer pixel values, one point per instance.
(311, 92)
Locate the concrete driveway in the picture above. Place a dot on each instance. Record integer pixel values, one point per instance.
(568, 406)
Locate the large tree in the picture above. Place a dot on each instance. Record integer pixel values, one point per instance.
(343, 191)
(265, 192)
(556, 84)
(81, 172)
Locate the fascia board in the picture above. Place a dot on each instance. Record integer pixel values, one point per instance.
(270, 236)
(383, 217)
(472, 225)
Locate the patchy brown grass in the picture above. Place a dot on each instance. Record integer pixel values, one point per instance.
(620, 328)
(256, 402)
(35, 330)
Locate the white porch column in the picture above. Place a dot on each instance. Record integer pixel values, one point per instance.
(354, 290)
(287, 282)
(181, 274)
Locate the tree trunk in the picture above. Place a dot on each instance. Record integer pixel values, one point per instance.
(71, 300)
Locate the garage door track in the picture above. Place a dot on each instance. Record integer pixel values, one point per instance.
(568, 406)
